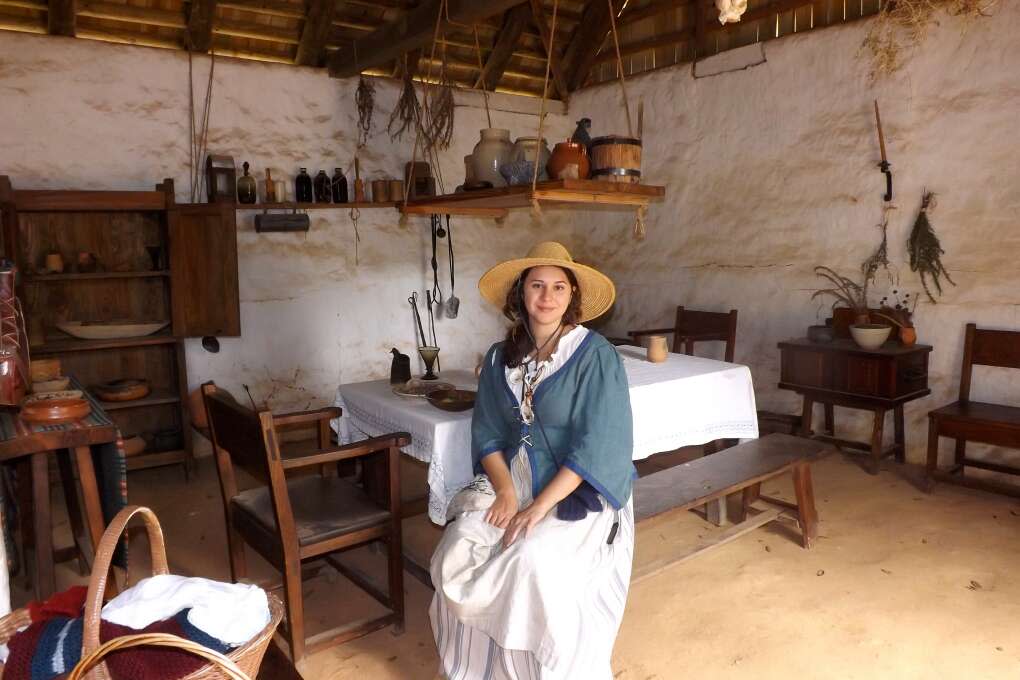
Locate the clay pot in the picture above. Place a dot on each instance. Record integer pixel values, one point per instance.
(657, 349)
(908, 336)
(527, 149)
(569, 161)
(493, 150)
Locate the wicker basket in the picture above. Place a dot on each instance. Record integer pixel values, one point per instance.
(241, 664)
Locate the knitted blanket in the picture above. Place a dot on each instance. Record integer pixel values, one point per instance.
(51, 648)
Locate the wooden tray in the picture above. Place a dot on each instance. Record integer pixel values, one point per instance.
(55, 410)
(107, 331)
(126, 389)
(452, 400)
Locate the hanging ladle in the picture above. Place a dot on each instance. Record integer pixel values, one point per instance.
(453, 304)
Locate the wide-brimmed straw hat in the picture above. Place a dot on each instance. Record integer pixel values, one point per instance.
(597, 290)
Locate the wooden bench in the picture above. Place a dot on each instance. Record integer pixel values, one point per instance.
(741, 468)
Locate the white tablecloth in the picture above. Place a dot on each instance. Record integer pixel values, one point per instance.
(681, 402)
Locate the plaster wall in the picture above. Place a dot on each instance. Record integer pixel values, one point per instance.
(84, 114)
(771, 170)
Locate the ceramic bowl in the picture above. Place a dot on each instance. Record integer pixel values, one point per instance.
(870, 336)
(452, 400)
(517, 173)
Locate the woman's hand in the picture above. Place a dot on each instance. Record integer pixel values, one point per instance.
(522, 523)
(503, 509)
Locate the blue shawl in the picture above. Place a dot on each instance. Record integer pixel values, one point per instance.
(582, 422)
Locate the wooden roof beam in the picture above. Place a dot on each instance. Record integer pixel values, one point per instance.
(60, 17)
(201, 16)
(312, 48)
(585, 44)
(514, 21)
(559, 79)
(413, 30)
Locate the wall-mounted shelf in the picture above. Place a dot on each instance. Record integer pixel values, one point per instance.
(45, 278)
(78, 345)
(313, 206)
(155, 398)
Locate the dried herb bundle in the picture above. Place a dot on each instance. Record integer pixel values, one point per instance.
(879, 258)
(905, 23)
(407, 111)
(364, 98)
(438, 130)
(925, 250)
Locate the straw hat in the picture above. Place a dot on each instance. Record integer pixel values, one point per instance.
(597, 290)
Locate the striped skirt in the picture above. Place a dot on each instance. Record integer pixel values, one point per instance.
(546, 608)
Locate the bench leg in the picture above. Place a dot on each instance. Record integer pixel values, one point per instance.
(933, 454)
(805, 416)
(749, 495)
(900, 435)
(807, 516)
(876, 441)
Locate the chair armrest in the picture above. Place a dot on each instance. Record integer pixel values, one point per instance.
(355, 450)
(650, 331)
(298, 417)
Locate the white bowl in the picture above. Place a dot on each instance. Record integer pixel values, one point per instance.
(870, 336)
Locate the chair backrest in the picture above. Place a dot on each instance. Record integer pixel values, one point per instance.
(696, 326)
(236, 433)
(987, 348)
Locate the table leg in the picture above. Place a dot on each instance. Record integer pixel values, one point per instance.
(45, 581)
(900, 435)
(93, 507)
(807, 515)
(73, 509)
(805, 417)
(876, 441)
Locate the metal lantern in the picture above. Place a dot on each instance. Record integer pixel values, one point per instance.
(220, 178)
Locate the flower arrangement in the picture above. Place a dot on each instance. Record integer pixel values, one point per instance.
(898, 311)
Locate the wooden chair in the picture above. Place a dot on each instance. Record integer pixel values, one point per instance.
(293, 520)
(693, 326)
(966, 420)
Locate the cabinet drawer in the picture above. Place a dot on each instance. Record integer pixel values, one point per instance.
(912, 373)
(807, 368)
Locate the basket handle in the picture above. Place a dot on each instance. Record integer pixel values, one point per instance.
(101, 570)
(88, 661)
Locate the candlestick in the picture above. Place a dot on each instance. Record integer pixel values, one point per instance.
(881, 137)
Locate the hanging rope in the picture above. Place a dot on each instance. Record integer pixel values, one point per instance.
(199, 138)
(619, 67)
(355, 216)
(481, 75)
(541, 114)
(424, 110)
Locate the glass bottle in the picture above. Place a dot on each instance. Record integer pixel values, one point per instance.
(270, 190)
(339, 186)
(246, 192)
(322, 187)
(303, 187)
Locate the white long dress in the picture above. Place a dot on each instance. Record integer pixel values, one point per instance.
(549, 606)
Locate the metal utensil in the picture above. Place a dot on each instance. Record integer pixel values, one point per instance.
(453, 304)
(417, 317)
(432, 326)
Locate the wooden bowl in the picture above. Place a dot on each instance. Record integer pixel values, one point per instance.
(55, 410)
(133, 446)
(125, 389)
(452, 400)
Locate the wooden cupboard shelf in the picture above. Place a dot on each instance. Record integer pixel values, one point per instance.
(314, 206)
(45, 200)
(79, 345)
(578, 193)
(45, 278)
(154, 398)
(149, 459)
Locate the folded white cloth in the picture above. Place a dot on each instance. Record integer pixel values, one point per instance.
(231, 612)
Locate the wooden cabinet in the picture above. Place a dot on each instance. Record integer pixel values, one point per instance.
(191, 284)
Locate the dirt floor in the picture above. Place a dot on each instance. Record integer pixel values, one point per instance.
(900, 585)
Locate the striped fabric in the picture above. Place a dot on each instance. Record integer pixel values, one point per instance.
(547, 608)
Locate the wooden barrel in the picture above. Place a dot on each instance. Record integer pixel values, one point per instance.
(616, 159)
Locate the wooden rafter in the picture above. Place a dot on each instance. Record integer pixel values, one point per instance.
(514, 21)
(201, 16)
(538, 16)
(414, 29)
(60, 17)
(585, 44)
(312, 48)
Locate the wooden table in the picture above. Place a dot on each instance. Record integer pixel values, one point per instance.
(841, 373)
(39, 441)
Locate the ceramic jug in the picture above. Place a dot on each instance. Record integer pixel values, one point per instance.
(493, 150)
(527, 148)
(569, 161)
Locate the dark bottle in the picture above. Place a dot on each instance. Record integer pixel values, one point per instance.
(303, 187)
(246, 186)
(339, 186)
(322, 187)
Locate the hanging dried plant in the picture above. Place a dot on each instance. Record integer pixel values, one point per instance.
(904, 23)
(364, 98)
(879, 258)
(407, 111)
(926, 251)
(439, 126)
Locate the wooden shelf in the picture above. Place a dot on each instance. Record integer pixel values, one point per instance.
(78, 345)
(154, 398)
(46, 278)
(314, 206)
(147, 459)
(85, 201)
(577, 193)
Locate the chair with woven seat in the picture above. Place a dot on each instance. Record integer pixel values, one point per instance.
(290, 520)
(695, 326)
(965, 420)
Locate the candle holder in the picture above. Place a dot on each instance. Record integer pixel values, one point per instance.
(429, 356)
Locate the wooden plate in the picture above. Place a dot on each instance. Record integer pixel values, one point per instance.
(452, 400)
(55, 410)
(107, 331)
(126, 389)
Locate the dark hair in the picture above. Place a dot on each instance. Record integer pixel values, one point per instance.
(518, 338)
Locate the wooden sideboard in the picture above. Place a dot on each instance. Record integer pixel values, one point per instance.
(841, 373)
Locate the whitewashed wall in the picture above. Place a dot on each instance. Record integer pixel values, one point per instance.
(771, 171)
(83, 114)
